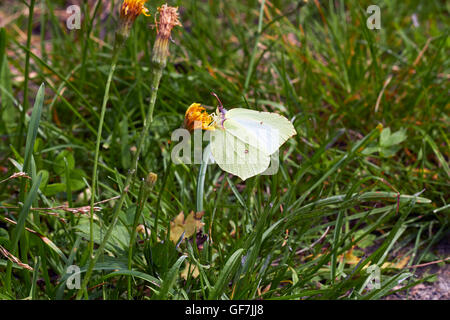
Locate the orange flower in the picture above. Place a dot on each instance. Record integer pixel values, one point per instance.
(131, 9)
(197, 118)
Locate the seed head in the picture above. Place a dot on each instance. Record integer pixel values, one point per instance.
(168, 19)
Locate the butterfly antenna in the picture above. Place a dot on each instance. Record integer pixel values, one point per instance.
(220, 102)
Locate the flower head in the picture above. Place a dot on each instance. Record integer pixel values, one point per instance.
(197, 118)
(168, 19)
(129, 11)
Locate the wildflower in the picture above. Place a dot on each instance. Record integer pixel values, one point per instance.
(168, 19)
(129, 11)
(197, 118)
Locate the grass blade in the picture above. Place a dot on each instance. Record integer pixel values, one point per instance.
(20, 227)
(170, 278)
(226, 273)
(33, 128)
(2, 47)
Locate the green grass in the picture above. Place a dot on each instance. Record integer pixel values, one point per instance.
(343, 183)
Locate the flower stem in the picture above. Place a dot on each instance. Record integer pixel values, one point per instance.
(201, 178)
(141, 203)
(144, 192)
(97, 150)
(26, 75)
(156, 77)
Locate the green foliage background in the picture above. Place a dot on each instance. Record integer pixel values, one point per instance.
(343, 182)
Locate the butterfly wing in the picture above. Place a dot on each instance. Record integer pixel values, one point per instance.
(264, 130)
(235, 156)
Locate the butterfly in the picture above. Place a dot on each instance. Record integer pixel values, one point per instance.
(243, 140)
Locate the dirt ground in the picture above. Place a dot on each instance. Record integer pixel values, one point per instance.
(437, 290)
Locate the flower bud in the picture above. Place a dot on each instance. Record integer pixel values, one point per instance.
(151, 179)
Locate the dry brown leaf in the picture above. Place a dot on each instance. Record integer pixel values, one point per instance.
(14, 259)
(189, 225)
(399, 265)
(350, 258)
(191, 270)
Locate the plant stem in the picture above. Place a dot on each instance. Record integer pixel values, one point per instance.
(141, 203)
(97, 149)
(255, 48)
(86, 42)
(138, 73)
(26, 74)
(142, 199)
(156, 77)
(201, 178)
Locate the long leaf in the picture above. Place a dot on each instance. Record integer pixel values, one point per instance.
(33, 128)
(134, 273)
(225, 274)
(170, 278)
(2, 47)
(24, 213)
